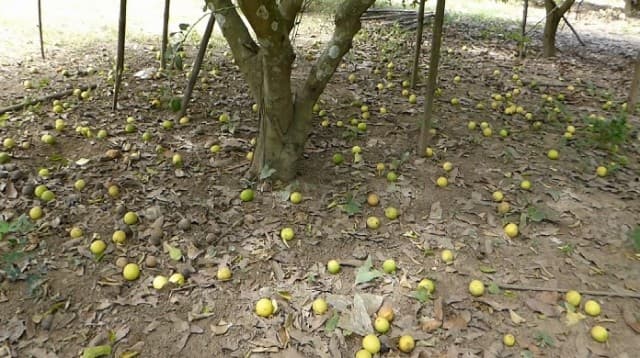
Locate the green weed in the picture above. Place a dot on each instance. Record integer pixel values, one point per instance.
(634, 237)
(609, 133)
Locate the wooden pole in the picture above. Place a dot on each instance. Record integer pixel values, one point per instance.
(633, 91)
(165, 34)
(197, 65)
(416, 57)
(122, 25)
(40, 28)
(436, 41)
(523, 33)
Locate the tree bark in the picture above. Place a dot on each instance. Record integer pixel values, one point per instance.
(165, 34)
(416, 56)
(554, 15)
(631, 7)
(633, 91)
(122, 24)
(522, 51)
(40, 28)
(266, 63)
(195, 71)
(436, 42)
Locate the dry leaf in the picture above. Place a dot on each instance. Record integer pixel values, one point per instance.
(631, 318)
(515, 318)
(573, 318)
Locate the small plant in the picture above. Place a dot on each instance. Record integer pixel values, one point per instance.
(634, 236)
(609, 133)
(351, 205)
(544, 340)
(567, 249)
(10, 259)
(20, 225)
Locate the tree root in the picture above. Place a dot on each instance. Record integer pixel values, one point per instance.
(57, 95)
(564, 290)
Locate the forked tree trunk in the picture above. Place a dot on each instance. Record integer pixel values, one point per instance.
(554, 15)
(285, 114)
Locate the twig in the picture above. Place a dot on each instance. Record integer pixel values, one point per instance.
(573, 30)
(30, 102)
(563, 290)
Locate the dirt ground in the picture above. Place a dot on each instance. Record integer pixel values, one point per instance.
(58, 299)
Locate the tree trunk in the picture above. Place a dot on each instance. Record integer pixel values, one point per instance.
(416, 55)
(165, 34)
(436, 41)
(122, 24)
(631, 7)
(633, 91)
(522, 51)
(40, 28)
(554, 15)
(285, 115)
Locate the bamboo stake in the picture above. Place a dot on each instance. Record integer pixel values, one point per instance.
(120, 54)
(197, 65)
(436, 42)
(416, 57)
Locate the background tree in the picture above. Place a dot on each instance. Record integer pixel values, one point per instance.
(631, 7)
(266, 62)
(554, 15)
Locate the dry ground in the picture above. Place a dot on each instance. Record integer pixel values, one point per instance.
(56, 298)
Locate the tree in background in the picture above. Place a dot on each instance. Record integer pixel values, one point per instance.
(266, 61)
(632, 7)
(555, 13)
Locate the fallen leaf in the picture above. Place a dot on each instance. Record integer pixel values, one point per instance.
(13, 330)
(631, 318)
(357, 319)
(220, 328)
(573, 318)
(174, 253)
(458, 321)
(541, 307)
(366, 273)
(515, 318)
(97, 351)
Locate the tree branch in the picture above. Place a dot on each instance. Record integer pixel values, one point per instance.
(289, 9)
(566, 5)
(265, 19)
(347, 22)
(243, 47)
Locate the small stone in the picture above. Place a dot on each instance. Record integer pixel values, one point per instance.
(151, 261)
(184, 224)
